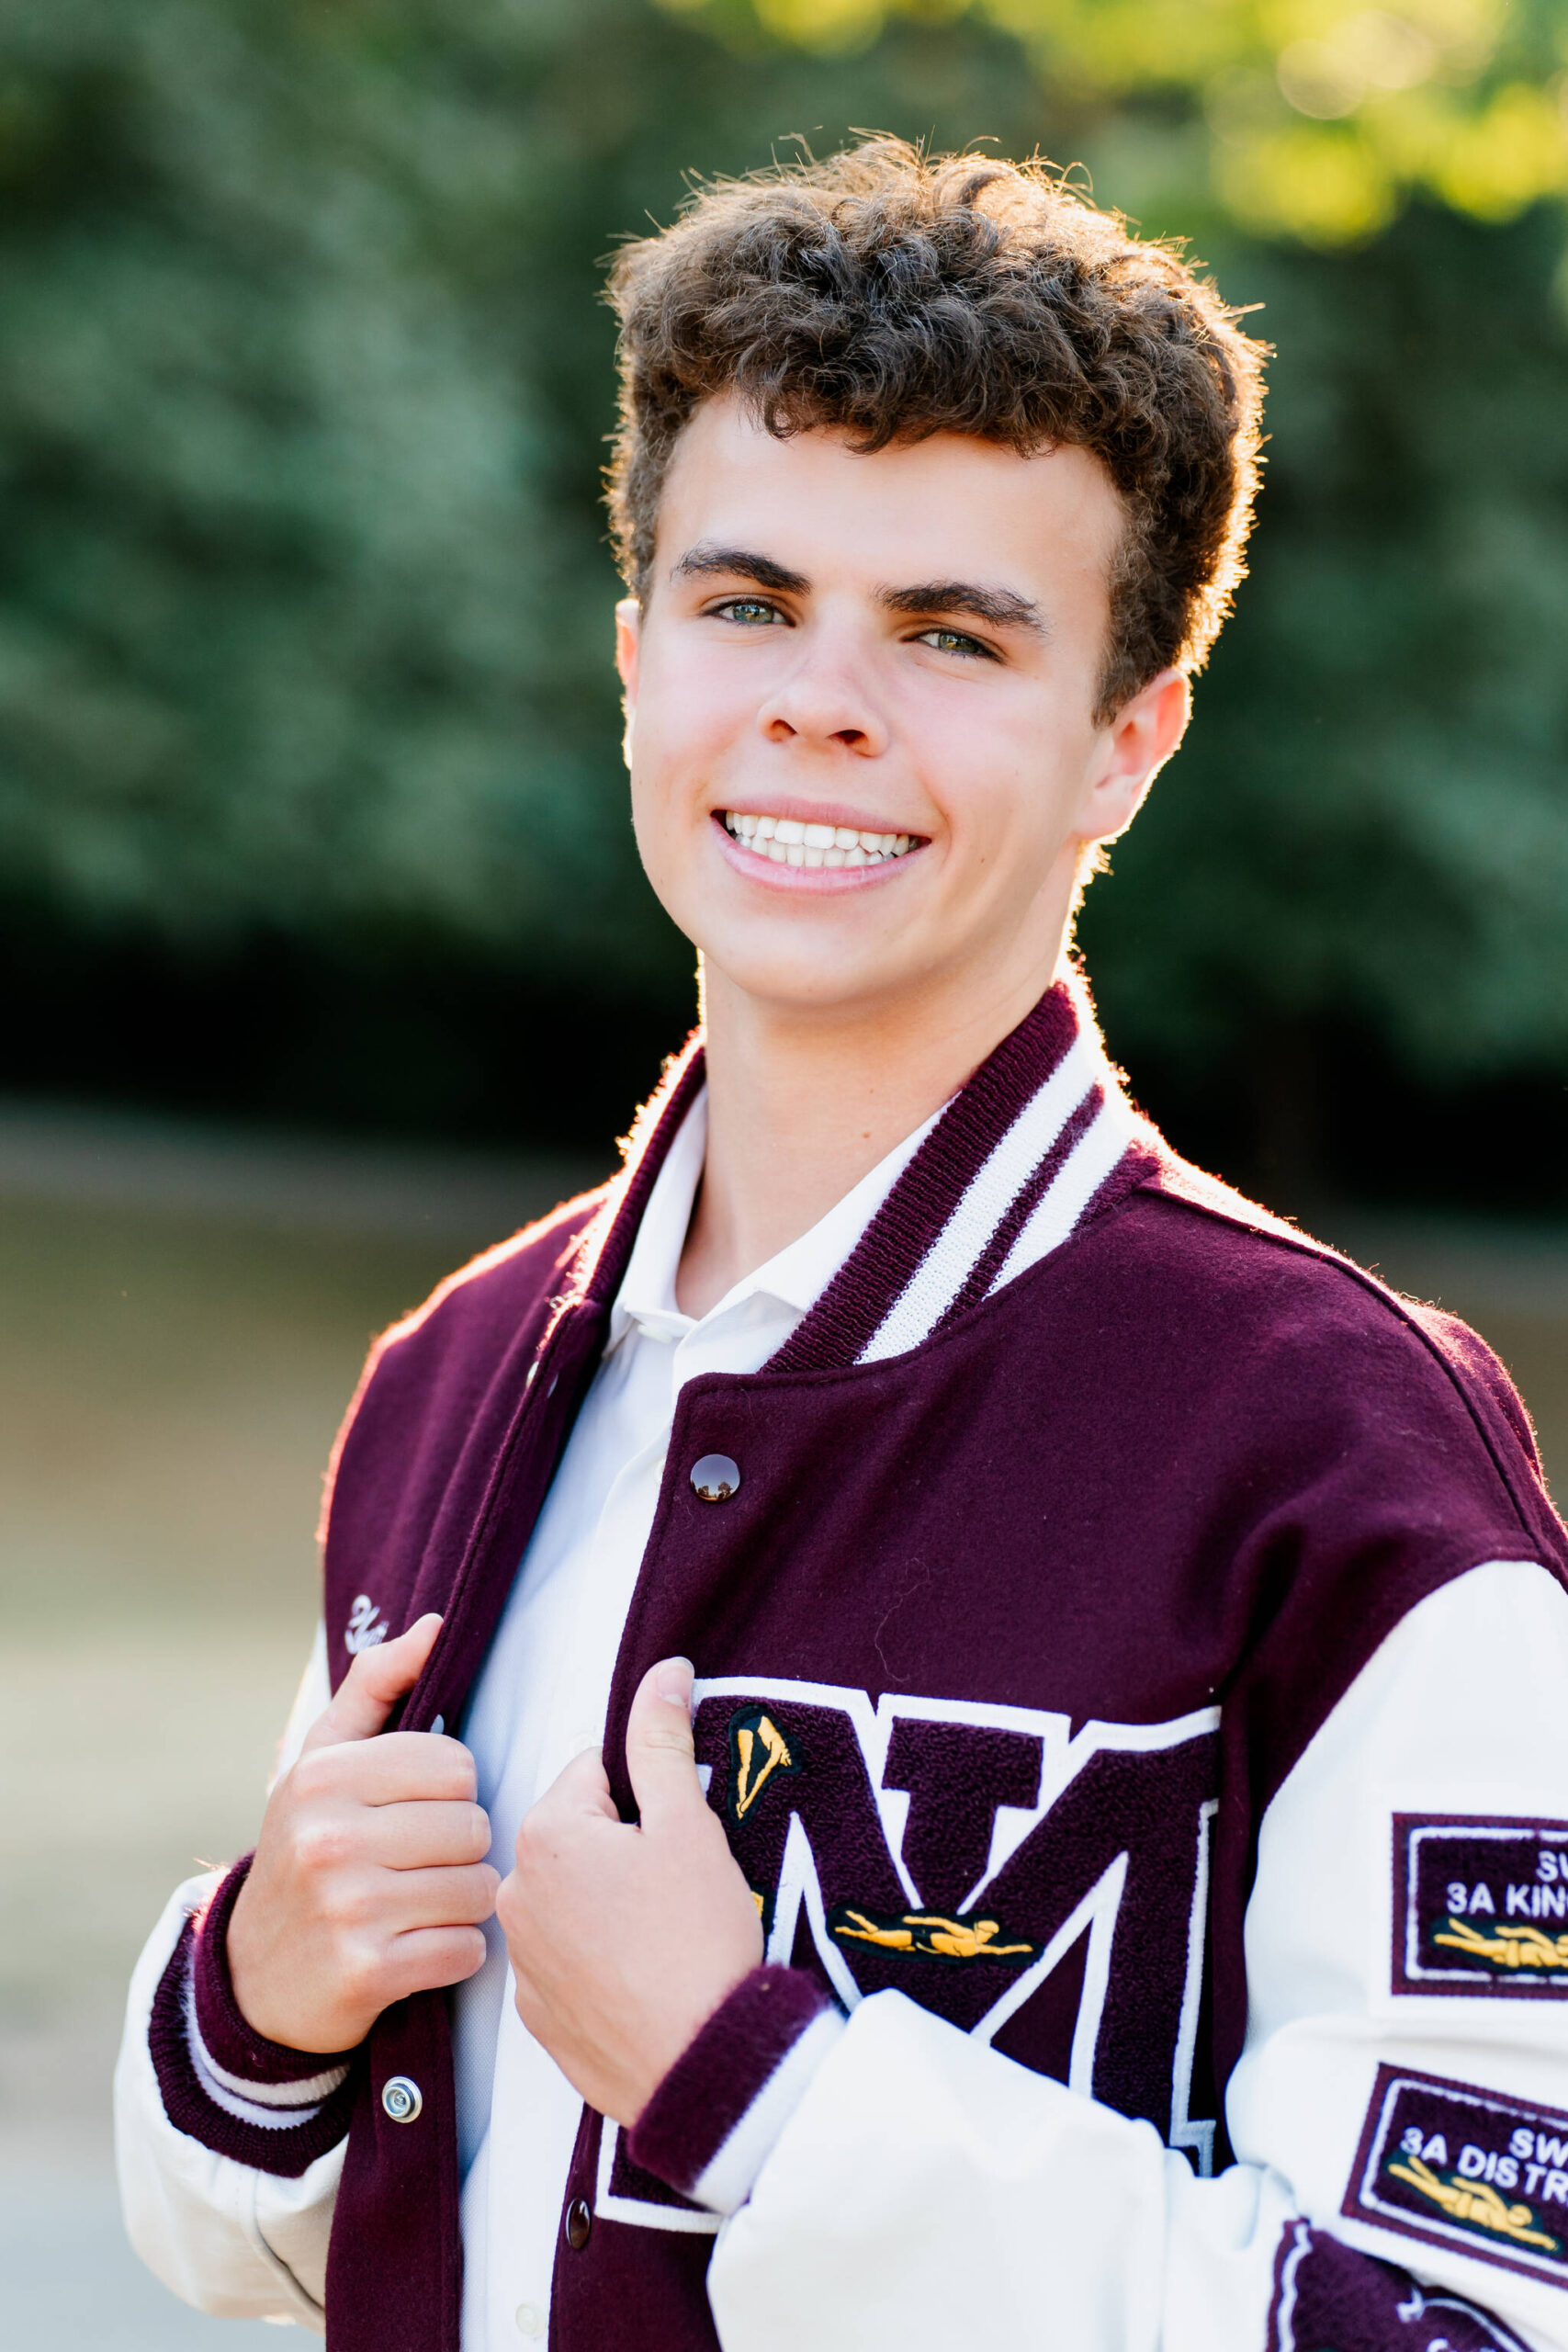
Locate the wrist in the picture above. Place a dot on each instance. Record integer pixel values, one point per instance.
(225, 2015)
(716, 2115)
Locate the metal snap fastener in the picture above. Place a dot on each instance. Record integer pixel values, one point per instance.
(715, 1477)
(579, 2222)
(402, 2098)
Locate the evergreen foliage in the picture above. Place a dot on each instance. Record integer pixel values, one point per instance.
(304, 597)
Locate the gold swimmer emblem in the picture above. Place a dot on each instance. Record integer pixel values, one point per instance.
(1474, 2200)
(929, 1936)
(1511, 1947)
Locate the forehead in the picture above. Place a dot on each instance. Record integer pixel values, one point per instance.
(950, 507)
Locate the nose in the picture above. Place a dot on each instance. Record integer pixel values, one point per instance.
(823, 703)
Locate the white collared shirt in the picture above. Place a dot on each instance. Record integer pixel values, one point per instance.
(542, 1693)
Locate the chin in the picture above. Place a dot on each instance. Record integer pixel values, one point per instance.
(802, 983)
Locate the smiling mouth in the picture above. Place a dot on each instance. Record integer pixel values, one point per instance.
(786, 841)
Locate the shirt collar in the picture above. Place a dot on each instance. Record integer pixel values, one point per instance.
(796, 1276)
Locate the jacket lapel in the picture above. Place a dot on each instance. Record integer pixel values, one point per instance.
(1039, 1137)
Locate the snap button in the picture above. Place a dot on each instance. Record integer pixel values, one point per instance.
(715, 1477)
(579, 2222)
(402, 2098)
(530, 2321)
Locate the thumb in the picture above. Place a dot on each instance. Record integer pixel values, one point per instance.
(661, 1761)
(372, 1685)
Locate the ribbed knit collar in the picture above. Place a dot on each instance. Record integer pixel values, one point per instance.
(1035, 1138)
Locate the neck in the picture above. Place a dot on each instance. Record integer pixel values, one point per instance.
(803, 1104)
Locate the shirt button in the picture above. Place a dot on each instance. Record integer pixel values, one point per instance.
(530, 2321)
(579, 2222)
(402, 2098)
(581, 1741)
(715, 1477)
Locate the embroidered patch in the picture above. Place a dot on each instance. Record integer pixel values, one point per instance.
(1479, 1906)
(1042, 1888)
(1326, 2293)
(758, 1752)
(1466, 2168)
(926, 1934)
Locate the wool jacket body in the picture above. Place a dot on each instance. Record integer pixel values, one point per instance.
(1033, 1587)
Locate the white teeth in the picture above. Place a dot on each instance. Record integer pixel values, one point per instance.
(788, 841)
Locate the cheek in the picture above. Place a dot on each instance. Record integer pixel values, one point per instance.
(690, 707)
(1004, 806)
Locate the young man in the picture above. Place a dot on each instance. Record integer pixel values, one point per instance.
(1103, 1878)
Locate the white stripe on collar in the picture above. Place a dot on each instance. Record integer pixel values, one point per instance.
(958, 1249)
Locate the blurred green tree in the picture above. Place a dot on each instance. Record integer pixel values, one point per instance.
(1313, 117)
(304, 599)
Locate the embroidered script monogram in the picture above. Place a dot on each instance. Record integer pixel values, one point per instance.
(365, 1626)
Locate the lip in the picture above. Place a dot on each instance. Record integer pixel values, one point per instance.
(812, 879)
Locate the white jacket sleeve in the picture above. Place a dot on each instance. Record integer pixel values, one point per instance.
(1394, 2100)
(230, 2237)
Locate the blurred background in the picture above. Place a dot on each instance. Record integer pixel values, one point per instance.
(325, 954)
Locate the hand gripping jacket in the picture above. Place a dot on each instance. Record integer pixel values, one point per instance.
(1065, 1521)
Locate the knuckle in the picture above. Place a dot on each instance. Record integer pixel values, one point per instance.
(673, 1740)
(468, 1947)
(323, 1844)
(312, 1775)
(361, 1973)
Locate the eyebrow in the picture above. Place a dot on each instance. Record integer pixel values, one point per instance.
(740, 563)
(1003, 607)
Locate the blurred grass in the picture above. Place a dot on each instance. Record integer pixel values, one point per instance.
(171, 1381)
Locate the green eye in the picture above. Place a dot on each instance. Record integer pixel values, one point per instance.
(952, 640)
(751, 612)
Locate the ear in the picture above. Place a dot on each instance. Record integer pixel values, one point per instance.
(1135, 746)
(629, 644)
(628, 637)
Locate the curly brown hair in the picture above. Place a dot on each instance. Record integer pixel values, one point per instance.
(893, 295)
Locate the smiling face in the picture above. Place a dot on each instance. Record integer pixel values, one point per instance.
(860, 705)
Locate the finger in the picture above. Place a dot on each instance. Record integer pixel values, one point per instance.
(659, 1756)
(428, 1836)
(583, 1786)
(399, 1768)
(374, 1683)
(426, 1958)
(462, 1896)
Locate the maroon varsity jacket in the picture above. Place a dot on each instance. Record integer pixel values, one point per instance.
(1182, 1476)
